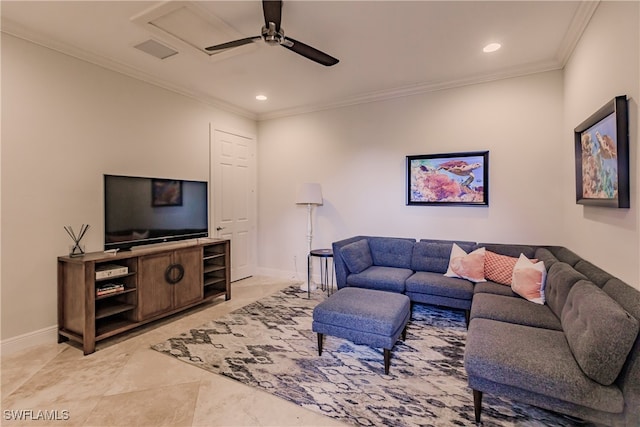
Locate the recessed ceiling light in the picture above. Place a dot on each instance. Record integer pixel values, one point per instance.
(261, 97)
(491, 47)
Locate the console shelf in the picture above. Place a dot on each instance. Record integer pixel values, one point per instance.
(111, 279)
(115, 294)
(113, 309)
(158, 282)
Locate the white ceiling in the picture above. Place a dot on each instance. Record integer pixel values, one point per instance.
(386, 48)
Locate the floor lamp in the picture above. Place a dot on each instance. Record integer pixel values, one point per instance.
(309, 194)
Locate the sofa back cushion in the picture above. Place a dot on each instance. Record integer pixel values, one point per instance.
(565, 255)
(629, 299)
(560, 278)
(357, 256)
(546, 256)
(625, 295)
(509, 250)
(599, 331)
(391, 251)
(433, 255)
(594, 273)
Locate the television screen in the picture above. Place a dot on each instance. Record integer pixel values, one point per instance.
(141, 211)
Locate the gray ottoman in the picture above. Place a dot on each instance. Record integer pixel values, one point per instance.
(363, 316)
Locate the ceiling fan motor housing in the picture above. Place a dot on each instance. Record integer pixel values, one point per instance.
(271, 36)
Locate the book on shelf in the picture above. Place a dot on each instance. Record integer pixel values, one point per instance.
(109, 288)
(108, 292)
(104, 271)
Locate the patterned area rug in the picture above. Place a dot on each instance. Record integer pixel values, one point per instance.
(269, 344)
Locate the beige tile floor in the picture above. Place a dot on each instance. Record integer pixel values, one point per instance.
(125, 383)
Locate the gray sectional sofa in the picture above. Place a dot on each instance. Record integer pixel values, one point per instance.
(578, 354)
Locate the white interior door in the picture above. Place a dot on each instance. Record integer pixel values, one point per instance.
(233, 187)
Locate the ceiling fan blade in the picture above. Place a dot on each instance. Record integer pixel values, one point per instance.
(272, 10)
(309, 52)
(234, 43)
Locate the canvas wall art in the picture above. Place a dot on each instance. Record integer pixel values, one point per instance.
(602, 157)
(448, 179)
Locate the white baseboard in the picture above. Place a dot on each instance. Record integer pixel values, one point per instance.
(43, 336)
(288, 274)
(279, 274)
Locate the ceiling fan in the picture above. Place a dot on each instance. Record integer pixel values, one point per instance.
(273, 35)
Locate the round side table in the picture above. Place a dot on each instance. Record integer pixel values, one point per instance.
(324, 255)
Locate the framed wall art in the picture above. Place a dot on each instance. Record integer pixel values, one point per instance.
(166, 192)
(602, 156)
(448, 179)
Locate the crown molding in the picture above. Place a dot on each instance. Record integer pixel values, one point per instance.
(578, 24)
(14, 29)
(415, 89)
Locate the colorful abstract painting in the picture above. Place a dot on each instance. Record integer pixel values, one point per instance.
(460, 178)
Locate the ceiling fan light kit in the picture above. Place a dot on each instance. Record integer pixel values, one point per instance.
(273, 35)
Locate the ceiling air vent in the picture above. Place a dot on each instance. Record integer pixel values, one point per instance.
(191, 27)
(156, 49)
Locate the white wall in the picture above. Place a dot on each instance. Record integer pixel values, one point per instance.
(65, 123)
(604, 64)
(358, 155)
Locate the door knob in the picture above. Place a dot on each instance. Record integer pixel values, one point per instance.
(220, 228)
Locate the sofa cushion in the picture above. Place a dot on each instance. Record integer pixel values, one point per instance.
(357, 256)
(595, 274)
(625, 295)
(560, 278)
(529, 279)
(490, 287)
(433, 255)
(425, 282)
(534, 359)
(545, 255)
(513, 310)
(599, 331)
(391, 251)
(565, 255)
(629, 299)
(509, 249)
(381, 278)
(466, 266)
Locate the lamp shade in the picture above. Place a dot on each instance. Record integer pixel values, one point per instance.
(309, 193)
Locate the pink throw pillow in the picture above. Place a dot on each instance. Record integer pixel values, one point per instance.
(466, 266)
(529, 279)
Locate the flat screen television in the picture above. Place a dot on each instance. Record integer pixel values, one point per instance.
(141, 211)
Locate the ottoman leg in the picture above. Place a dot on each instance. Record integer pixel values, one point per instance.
(387, 360)
(477, 405)
(320, 344)
(404, 333)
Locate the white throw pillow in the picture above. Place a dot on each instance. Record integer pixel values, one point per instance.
(466, 266)
(529, 279)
